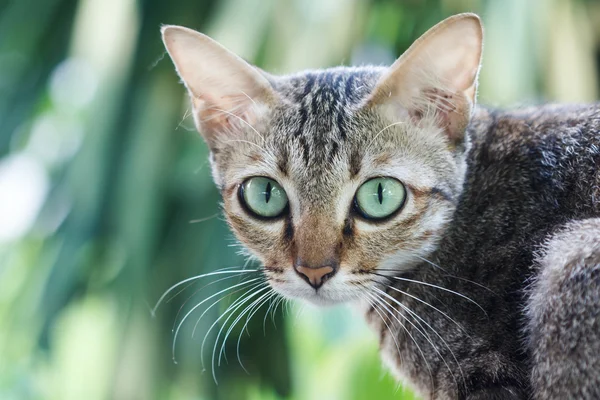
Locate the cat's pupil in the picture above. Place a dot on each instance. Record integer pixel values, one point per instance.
(268, 192)
(380, 193)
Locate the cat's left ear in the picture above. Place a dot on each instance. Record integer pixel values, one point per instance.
(224, 89)
(435, 80)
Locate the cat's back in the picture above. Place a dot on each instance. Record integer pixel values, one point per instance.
(530, 171)
(545, 162)
(545, 158)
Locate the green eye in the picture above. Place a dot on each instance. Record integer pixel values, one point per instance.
(263, 196)
(380, 197)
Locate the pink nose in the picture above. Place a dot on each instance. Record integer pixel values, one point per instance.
(315, 276)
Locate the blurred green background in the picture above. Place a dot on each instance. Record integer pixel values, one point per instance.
(106, 198)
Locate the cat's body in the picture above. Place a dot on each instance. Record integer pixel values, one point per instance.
(531, 173)
(471, 237)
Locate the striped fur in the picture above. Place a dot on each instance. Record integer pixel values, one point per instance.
(455, 282)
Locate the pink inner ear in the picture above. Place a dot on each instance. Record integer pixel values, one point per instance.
(451, 110)
(225, 113)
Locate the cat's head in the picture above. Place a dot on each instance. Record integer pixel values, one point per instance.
(330, 176)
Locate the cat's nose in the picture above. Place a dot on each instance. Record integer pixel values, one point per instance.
(315, 276)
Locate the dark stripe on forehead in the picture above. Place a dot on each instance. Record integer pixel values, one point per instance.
(355, 163)
(341, 123)
(308, 86)
(302, 122)
(305, 149)
(328, 80)
(335, 149)
(322, 96)
(348, 93)
(282, 161)
(341, 109)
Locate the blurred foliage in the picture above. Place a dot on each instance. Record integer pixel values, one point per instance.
(101, 175)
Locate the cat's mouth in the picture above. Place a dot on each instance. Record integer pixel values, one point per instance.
(324, 286)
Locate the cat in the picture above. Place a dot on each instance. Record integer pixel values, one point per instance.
(469, 236)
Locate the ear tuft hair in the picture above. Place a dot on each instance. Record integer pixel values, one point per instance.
(437, 76)
(225, 90)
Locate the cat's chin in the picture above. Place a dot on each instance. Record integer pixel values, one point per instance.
(322, 301)
(320, 298)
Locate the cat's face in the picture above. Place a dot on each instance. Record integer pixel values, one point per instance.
(332, 177)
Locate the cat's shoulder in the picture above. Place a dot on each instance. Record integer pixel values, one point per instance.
(549, 126)
(547, 117)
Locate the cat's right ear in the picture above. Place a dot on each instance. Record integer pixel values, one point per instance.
(224, 89)
(435, 80)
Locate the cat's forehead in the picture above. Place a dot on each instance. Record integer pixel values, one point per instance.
(316, 128)
(317, 90)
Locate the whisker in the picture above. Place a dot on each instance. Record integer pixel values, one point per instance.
(421, 331)
(376, 298)
(218, 272)
(220, 299)
(245, 327)
(250, 98)
(230, 310)
(274, 311)
(182, 290)
(197, 170)
(233, 304)
(241, 119)
(430, 262)
(246, 263)
(456, 277)
(197, 221)
(405, 308)
(378, 133)
(186, 114)
(300, 311)
(415, 315)
(375, 308)
(435, 286)
(429, 305)
(247, 290)
(247, 142)
(271, 304)
(193, 294)
(198, 305)
(247, 310)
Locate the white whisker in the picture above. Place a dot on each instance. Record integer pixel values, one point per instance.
(230, 310)
(457, 277)
(196, 221)
(245, 327)
(440, 288)
(250, 98)
(392, 334)
(378, 133)
(249, 308)
(219, 272)
(196, 307)
(385, 305)
(193, 294)
(241, 119)
(430, 305)
(247, 142)
(186, 114)
(415, 315)
(271, 303)
(222, 298)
